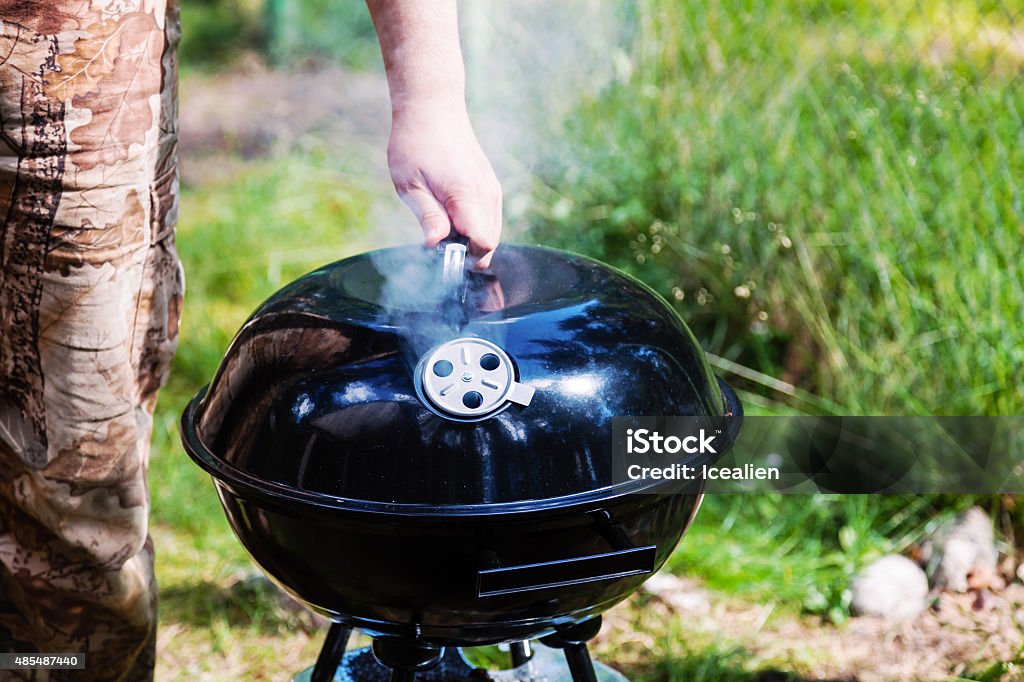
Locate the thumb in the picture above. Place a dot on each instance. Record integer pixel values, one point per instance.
(431, 214)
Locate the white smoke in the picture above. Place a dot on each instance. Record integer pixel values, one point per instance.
(528, 65)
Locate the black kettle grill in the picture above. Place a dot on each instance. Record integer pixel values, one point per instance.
(425, 455)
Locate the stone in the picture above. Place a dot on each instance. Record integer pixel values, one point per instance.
(893, 588)
(961, 555)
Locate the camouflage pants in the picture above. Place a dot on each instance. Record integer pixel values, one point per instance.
(90, 293)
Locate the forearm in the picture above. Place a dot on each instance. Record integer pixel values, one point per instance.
(437, 165)
(419, 40)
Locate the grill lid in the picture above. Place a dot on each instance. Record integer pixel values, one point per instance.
(365, 380)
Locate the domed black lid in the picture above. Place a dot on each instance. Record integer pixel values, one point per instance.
(366, 380)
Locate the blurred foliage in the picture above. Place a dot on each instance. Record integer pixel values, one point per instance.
(829, 193)
(217, 34)
(326, 29)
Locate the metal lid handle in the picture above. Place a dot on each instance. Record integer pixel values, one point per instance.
(454, 264)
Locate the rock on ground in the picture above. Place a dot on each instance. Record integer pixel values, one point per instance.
(893, 587)
(962, 555)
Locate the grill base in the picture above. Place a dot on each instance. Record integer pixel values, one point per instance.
(563, 658)
(547, 665)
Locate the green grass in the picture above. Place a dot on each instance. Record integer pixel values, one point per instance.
(830, 193)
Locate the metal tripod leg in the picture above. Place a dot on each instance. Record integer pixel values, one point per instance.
(331, 653)
(520, 652)
(573, 641)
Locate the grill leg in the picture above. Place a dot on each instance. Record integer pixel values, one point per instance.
(331, 653)
(580, 666)
(520, 652)
(573, 640)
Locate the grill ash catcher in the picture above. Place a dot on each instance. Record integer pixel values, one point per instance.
(424, 453)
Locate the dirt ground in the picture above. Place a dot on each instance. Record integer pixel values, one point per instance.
(958, 632)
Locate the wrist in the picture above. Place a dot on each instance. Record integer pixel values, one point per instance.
(446, 108)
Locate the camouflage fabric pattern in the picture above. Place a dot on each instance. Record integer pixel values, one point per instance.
(90, 295)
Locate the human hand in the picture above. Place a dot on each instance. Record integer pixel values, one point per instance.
(442, 174)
